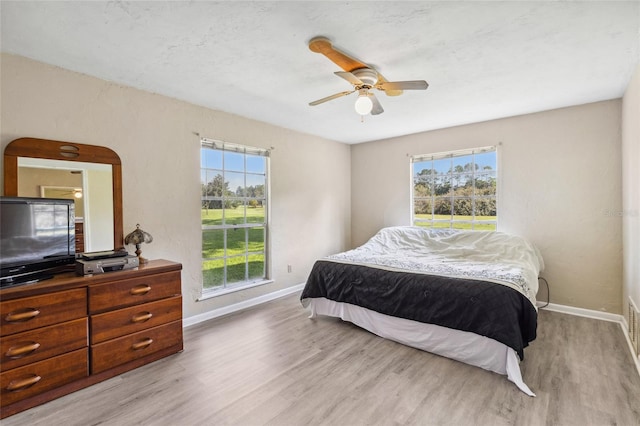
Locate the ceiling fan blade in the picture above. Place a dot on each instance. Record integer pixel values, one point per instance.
(377, 108)
(349, 77)
(389, 92)
(403, 85)
(323, 46)
(328, 98)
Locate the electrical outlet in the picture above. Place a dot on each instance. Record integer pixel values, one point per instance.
(289, 268)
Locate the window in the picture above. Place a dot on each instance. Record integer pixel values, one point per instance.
(234, 215)
(455, 189)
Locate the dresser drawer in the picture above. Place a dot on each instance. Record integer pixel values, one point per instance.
(29, 313)
(118, 351)
(31, 346)
(32, 379)
(125, 321)
(133, 291)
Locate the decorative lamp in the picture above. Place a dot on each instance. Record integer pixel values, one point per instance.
(137, 237)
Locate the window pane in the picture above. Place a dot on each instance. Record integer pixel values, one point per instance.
(212, 243)
(486, 161)
(422, 168)
(236, 269)
(256, 239)
(211, 159)
(441, 225)
(216, 186)
(442, 185)
(234, 161)
(486, 209)
(422, 209)
(442, 166)
(442, 208)
(484, 226)
(256, 266)
(255, 186)
(462, 209)
(458, 163)
(424, 224)
(235, 182)
(236, 241)
(211, 212)
(461, 225)
(459, 184)
(233, 212)
(255, 211)
(212, 273)
(256, 164)
(486, 184)
(422, 186)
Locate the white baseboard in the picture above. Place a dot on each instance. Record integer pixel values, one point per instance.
(605, 316)
(588, 313)
(196, 319)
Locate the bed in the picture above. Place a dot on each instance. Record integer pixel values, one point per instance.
(465, 295)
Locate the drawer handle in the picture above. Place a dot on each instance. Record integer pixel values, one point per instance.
(143, 344)
(140, 290)
(141, 317)
(21, 384)
(25, 348)
(23, 315)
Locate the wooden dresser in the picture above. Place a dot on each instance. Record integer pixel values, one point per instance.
(70, 332)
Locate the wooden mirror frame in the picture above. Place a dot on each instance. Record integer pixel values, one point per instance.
(66, 151)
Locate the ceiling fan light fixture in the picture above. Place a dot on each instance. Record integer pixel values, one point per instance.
(363, 105)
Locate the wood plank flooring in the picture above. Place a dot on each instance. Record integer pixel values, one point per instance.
(270, 365)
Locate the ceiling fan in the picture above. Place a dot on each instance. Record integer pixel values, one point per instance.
(76, 192)
(363, 78)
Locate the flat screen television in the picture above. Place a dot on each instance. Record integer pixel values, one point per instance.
(37, 238)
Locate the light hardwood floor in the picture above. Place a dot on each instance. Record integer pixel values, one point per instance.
(271, 365)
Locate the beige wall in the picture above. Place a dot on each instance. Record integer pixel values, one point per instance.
(560, 178)
(631, 190)
(156, 139)
(559, 186)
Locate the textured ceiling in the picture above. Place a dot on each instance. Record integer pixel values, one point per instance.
(483, 60)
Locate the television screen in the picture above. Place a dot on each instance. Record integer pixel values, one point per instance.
(37, 236)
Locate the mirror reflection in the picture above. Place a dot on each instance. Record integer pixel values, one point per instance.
(88, 184)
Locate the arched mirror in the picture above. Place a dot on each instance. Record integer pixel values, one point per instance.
(89, 174)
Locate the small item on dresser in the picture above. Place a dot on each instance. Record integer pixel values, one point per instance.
(137, 237)
(88, 266)
(108, 254)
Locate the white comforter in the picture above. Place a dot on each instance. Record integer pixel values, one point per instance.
(482, 255)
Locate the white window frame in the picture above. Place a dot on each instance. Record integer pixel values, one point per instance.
(439, 223)
(227, 287)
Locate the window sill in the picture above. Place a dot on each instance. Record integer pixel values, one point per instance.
(209, 294)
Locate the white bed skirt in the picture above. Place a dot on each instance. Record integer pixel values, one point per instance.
(462, 346)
